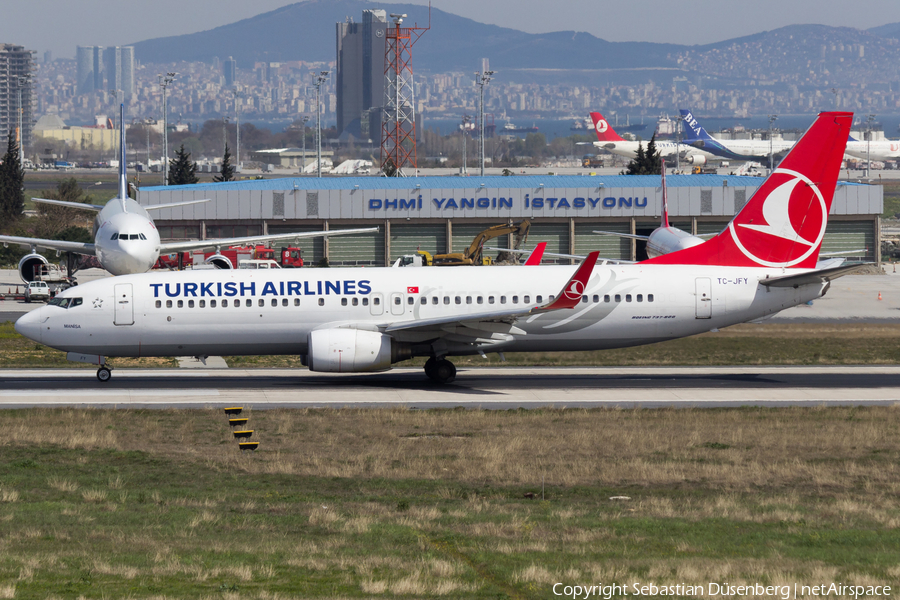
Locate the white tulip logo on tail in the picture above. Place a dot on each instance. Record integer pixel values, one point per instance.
(789, 247)
(602, 125)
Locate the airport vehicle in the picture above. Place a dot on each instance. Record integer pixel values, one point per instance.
(37, 290)
(289, 257)
(608, 139)
(125, 238)
(474, 254)
(696, 136)
(365, 319)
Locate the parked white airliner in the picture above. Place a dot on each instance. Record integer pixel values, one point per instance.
(609, 140)
(125, 237)
(360, 320)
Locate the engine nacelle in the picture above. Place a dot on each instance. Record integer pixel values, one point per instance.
(695, 159)
(28, 264)
(350, 351)
(219, 261)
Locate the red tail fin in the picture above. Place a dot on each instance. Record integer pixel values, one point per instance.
(784, 222)
(605, 132)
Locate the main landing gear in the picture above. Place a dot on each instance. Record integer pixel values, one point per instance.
(104, 374)
(440, 370)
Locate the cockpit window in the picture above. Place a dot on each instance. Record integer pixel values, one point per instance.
(66, 302)
(135, 236)
(115, 236)
(143, 237)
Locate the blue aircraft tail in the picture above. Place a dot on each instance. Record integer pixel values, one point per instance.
(693, 131)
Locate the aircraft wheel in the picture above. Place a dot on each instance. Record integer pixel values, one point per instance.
(429, 367)
(104, 374)
(444, 371)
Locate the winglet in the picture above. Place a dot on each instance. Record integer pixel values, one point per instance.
(536, 255)
(571, 293)
(123, 180)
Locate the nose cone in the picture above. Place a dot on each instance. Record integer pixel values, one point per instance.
(29, 324)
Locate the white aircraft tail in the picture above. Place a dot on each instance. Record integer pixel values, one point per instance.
(123, 179)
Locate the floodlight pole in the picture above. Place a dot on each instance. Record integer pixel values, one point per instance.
(303, 165)
(164, 81)
(481, 79)
(20, 81)
(772, 119)
(321, 78)
(237, 116)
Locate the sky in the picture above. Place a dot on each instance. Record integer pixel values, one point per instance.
(61, 25)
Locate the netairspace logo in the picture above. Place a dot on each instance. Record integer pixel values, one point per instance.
(784, 592)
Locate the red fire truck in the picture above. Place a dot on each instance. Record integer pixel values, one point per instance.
(228, 258)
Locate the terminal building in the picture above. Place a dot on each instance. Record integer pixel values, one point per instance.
(443, 214)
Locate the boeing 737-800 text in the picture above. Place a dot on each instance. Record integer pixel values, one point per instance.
(358, 320)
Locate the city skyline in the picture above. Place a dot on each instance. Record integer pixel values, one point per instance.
(694, 21)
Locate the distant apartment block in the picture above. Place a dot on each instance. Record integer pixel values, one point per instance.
(359, 77)
(17, 67)
(229, 70)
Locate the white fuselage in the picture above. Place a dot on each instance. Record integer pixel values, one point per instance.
(874, 150)
(749, 149)
(629, 149)
(271, 312)
(118, 255)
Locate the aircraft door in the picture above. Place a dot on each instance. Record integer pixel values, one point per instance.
(376, 306)
(397, 307)
(704, 298)
(124, 305)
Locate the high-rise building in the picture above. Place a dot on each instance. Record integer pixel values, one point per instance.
(16, 81)
(119, 62)
(99, 76)
(84, 66)
(359, 77)
(229, 69)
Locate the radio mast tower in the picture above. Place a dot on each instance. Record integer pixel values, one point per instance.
(398, 126)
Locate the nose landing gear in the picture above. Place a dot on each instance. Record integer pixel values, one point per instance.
(104, 374)
(440, 370)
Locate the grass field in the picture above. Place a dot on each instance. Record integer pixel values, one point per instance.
(443, 504)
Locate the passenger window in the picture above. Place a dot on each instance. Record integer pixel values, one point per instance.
(212, 303)
(261, 302)
(203, 304)
(584, 299)
(409, 300)
(515, 299)
(539, 299)
(296, 301)
(181, 304)
(526, 299)
(248, 302)
(344, 301)
(627, 297)
(468, 299)
(434, 300)
(322, 301)
(284, 302)
(606, 298)
(649, 297)
(640, 297)
(168, 304)
(159, 304)
(458, 300)
(596, 298)
(490, 299)
(190, 304)
(423, 300)
(446, 299)
(502, 299)
(618, 297)
(224, 303)
(552, 297)
(366, 301)
(274, 302)
(480, 300)
(237, 303)
(356, 302)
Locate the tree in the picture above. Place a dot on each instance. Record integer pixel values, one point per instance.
(55, 219)
(12, 184)
(227, 167)
(645, 163)
(182, 170)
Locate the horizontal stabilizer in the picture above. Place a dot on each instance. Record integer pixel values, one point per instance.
(173, 204)
(80, 205)
(811, 277)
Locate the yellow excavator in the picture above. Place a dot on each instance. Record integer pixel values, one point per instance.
(474, 254)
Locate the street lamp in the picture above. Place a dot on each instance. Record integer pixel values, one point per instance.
(164, 81)
(772, 119)
(224, 135)
(21, 81)
(147, 122)
(321, 78)
(303, 165)
(869, 120)
(481, 79)
(465, 166)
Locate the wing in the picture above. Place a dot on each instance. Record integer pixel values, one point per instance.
(171, 204)
(169, 247)
(492, 327)
(80, 205)
(617, 261)
(58, 245)
(631, 236)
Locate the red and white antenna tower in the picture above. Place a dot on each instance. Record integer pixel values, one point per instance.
(398, 126)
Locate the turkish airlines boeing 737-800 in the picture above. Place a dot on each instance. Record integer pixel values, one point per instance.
(357, 320)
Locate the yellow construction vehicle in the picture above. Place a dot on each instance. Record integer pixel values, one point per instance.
(474, 254)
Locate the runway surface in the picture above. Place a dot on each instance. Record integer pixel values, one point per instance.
(489, 388)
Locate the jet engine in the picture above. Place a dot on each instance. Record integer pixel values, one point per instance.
(695, 159)
(28, 264)
(352, 351)
(219, 261)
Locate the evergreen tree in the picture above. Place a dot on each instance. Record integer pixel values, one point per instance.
(12, 184)
(227, 173)
(645, 163)
(182, 170)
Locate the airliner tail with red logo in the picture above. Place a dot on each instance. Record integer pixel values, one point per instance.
(784, 222)
(605, 132)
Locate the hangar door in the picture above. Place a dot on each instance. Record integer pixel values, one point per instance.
(609, 246)
(557, 237)
(313, 249)
(358, 249)
(406, 239)
(850, 237)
